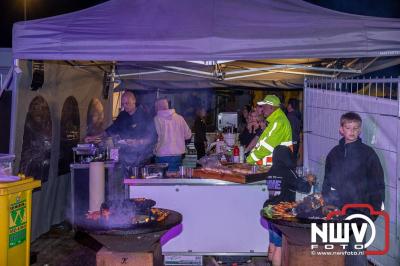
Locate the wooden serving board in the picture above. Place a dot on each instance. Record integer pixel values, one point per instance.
(200, 173)
(237, 178)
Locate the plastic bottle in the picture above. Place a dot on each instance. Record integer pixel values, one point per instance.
(236, 154)
(218, 146)
(241, 154)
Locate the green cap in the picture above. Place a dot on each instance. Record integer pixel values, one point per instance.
(270, 100)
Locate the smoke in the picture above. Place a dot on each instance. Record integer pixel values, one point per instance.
(140, 130)
(121, 213)
(332, 198)
(121, 210)
(115, 214)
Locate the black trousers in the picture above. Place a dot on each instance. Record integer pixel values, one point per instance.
(296, 151)
(201, 150)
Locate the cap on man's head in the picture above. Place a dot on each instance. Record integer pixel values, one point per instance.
(270, 100)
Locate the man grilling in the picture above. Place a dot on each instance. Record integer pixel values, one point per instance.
(136, 130)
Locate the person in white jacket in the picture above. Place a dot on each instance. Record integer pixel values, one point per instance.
(172, 131)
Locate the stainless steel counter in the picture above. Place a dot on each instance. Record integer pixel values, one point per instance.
(184, 181)
(108, 164)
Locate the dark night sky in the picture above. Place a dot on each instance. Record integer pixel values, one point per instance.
(13, 10)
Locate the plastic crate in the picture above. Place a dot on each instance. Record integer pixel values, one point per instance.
(6, 163)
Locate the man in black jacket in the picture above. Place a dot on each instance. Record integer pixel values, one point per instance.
(136, 130)
(353, 174)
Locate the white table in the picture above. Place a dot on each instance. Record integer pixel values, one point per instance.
(219, 217)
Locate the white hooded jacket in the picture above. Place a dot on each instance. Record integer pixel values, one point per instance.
(172, 131)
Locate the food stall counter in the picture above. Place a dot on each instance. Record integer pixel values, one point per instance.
(185, 182)
(219, 217)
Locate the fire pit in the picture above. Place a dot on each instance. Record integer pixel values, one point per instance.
(123, 214)
(296, 232)
(129, 225)
(296, 236)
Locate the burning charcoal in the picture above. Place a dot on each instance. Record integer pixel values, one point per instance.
(311, 206)
(104, 206)
(302, 211)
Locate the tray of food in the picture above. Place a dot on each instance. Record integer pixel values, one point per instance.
(305, 211)
(239, 173)
(206, 174)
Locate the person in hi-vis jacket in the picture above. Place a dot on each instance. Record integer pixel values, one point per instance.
(278, 132)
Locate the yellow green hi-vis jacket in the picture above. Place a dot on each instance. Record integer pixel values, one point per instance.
(278, 132)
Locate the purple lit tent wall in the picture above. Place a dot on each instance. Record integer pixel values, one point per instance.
(181, 30)
(62, 82)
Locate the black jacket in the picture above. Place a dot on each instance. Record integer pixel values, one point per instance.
(295, 122)
(137, 126)
(246, 137)
(200, 130)
(282, 180)
(353, 174)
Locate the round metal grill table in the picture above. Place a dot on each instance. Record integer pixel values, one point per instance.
(296, 243)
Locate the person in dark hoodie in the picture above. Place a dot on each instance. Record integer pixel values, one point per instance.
(353, 174)
(282, 183)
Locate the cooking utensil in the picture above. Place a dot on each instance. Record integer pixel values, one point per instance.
(182, 171)
(157, 170)
(189, 172)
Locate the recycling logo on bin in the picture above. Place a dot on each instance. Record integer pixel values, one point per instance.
(17, 223)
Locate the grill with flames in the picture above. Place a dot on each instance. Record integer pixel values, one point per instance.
(128, 225)
(126, 213)
(309, 209)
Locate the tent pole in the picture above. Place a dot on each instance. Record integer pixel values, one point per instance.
(14, 103)
(4, 84)
(305, 125)
(304, 67)
(398, 160)
(25, 10)
(398, 96)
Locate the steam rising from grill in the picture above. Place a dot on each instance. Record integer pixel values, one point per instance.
(122, 214)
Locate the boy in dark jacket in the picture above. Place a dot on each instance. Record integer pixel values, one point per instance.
(282, 182)
(353, 174)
